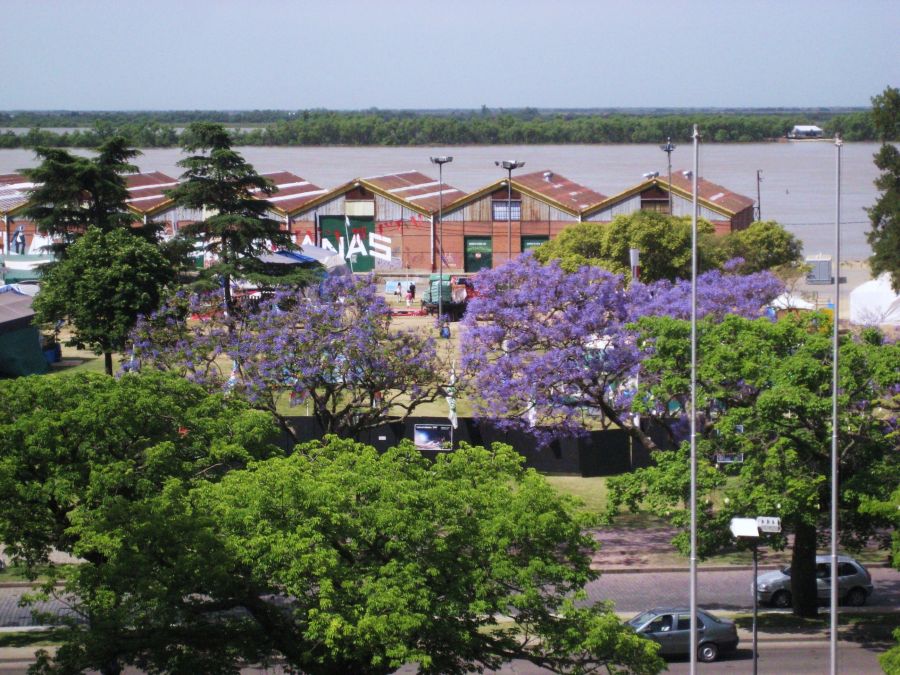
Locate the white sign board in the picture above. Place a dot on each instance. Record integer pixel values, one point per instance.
(768, 524)
(744, 527)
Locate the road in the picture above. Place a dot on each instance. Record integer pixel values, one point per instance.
(632, 592)
(728, 590)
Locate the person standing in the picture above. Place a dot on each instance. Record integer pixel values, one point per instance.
(412, 289)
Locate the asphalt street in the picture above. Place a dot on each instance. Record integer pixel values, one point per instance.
(728, 590)
(631, 592)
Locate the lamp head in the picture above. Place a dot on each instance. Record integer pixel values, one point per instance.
(509, 164)
(441, 159)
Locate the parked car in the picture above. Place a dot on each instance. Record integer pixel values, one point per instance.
(671, 628)
(854, 583)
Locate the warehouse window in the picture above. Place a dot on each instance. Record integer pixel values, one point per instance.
(515, 209)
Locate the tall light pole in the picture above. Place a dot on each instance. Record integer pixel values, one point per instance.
(668, 147)
(832, 642)
(509, 165)
(758, 197)
(440, 161)
(693, 564)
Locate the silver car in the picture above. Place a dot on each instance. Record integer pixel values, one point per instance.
(670, 627)
(854, 583)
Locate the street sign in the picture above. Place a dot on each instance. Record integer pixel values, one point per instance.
(744, 527)
(768, 524)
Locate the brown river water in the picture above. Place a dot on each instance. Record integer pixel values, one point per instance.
(798, 187)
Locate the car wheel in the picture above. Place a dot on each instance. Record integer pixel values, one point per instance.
(856, 597)
(782, 599)
(708, 652)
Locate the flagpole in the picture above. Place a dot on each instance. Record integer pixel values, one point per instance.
(349, 258)
(693, 562)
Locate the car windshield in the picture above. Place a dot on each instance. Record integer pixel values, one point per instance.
(786, 570)
(641, 619)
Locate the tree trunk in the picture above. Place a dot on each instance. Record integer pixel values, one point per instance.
(107, 362)
(803, 571)
(111, 667)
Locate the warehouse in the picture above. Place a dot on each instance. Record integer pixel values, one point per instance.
(498, 222)
(726, 210)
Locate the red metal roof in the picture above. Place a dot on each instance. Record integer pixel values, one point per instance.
(293, 191)
(146, 191)
(419, 191)
(559, 189)
(707, 191)
(14, 190)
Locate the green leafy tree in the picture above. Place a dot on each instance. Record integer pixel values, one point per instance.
(74, 193)
(105, 281)
(765, 391)
(664, 242)
(204, 549)
(237, 227)
(884, 237)
(99, 468)
(764, 245)
(391, 559)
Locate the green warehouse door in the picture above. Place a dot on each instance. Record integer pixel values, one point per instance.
(479, 254)
(533, 241)
(351, 237)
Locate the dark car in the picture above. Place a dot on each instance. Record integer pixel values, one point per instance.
(671, 628)
(854, 583)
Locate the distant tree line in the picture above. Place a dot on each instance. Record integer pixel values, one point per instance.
(393, 128)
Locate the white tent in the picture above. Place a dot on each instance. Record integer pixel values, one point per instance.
(875, 303)
(788, 301)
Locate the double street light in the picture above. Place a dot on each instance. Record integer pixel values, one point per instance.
(440, 161)
(509, 165)
(668, 147)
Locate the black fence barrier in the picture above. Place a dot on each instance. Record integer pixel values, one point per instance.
(599, 453)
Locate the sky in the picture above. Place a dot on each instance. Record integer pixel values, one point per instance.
(445, 54)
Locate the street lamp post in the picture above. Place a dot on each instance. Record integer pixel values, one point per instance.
(509, 165)
(758, 196)
(832, 642)
(693, 498)
(667, 148)
(440, 161)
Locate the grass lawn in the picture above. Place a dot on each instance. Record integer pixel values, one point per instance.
(44, 638)
(14, 573)
(874, 626)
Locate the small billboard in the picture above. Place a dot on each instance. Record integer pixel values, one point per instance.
(433, 437)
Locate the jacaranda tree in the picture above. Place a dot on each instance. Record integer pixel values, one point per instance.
(331, 345)
(542, 345)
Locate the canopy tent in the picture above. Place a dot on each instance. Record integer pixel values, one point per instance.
(875, 303)
(20, 342)
(788, 301)
(329, 259)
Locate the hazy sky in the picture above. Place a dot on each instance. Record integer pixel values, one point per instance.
(356, 54)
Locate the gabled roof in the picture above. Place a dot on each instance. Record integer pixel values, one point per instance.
(14, 190)
(558, 190)
(546, 186)
(146, 191)
(414, 190)
(293, 192)
(709, 194)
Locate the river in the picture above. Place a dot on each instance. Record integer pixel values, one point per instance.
(797, 187)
